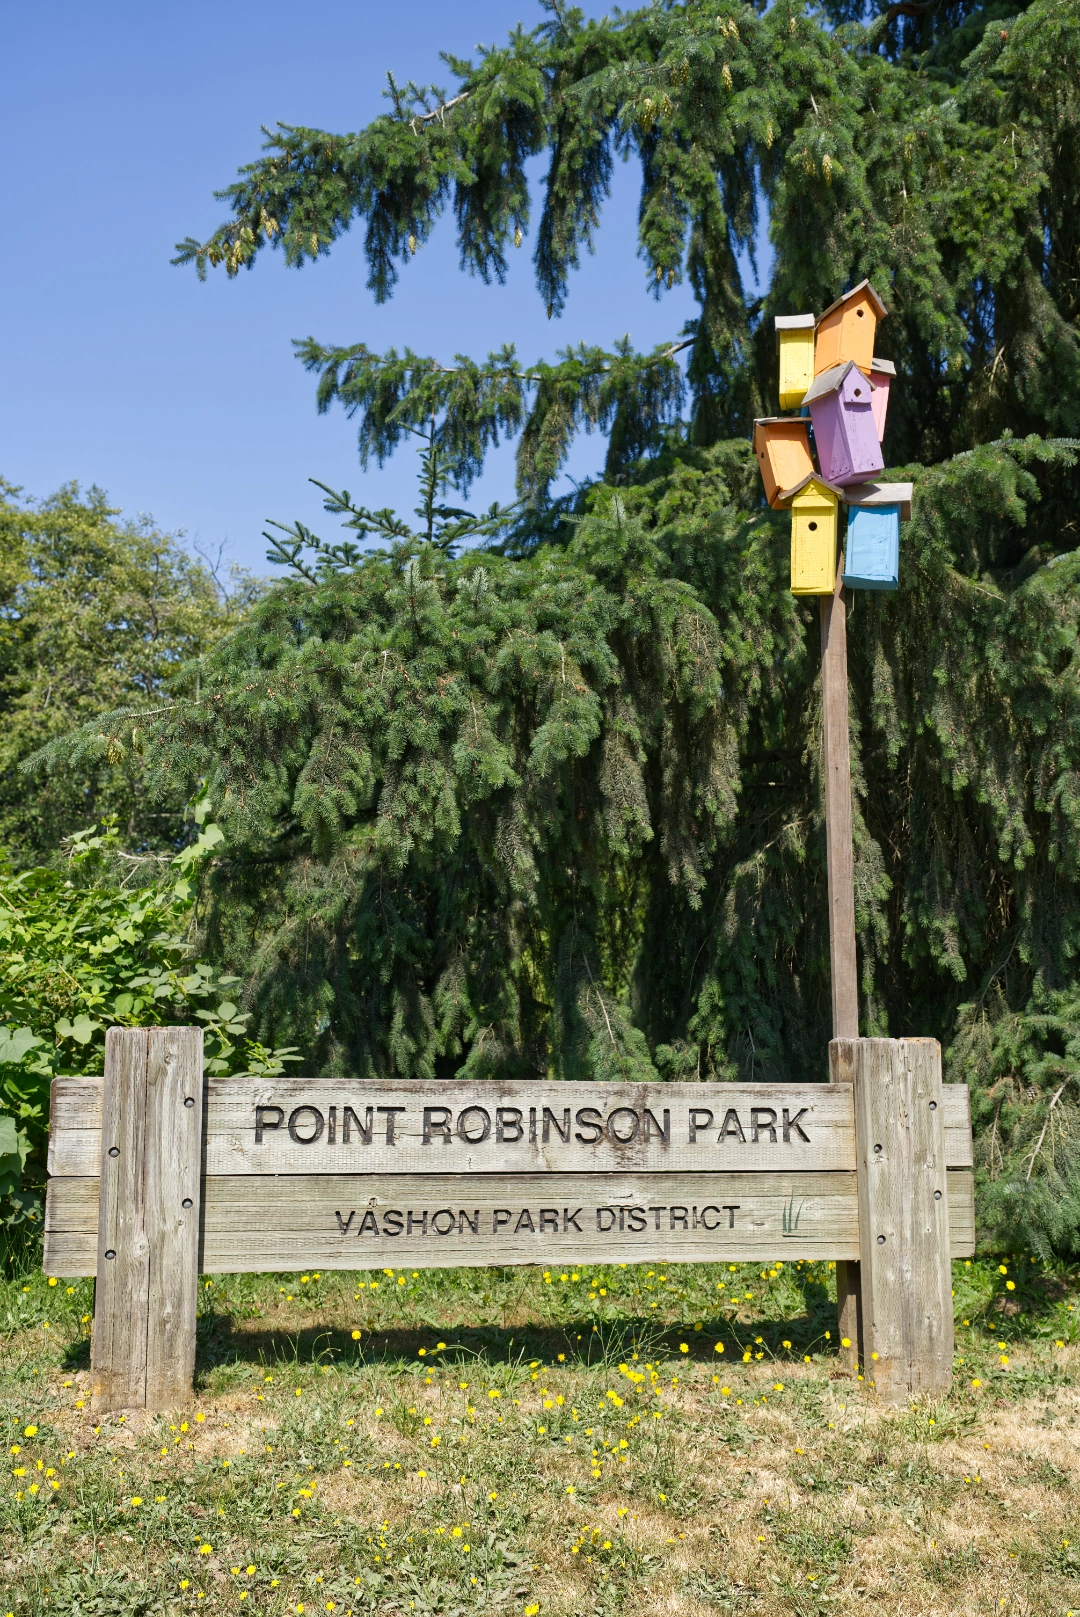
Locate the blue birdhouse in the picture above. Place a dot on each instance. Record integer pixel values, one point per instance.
(872, 547)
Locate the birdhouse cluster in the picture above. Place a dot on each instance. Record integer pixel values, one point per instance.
(829, 453)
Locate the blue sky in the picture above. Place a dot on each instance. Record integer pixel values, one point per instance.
(183, 400)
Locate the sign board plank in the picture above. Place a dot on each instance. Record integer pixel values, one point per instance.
(231, 1145)
(257, 1224)
(961, 1188)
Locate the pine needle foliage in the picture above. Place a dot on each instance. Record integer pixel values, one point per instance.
(437, 774)
(469, 407)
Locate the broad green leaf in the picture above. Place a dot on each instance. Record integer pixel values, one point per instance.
(9, 1136)
(82, 1030)
(15, 1042)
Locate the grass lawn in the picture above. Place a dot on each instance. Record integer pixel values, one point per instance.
(560, 1443)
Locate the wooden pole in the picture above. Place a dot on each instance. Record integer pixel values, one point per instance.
(143, 1346)
(841, 867)
(837, 755)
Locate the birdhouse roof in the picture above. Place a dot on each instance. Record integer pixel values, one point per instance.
(819, 482)
(780, 420)
(849, 297)
(793, 322)
(876, 494)
(884, 367)
(829, 381)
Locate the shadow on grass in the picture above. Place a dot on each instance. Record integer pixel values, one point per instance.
(76, 1355)
(575, 1344)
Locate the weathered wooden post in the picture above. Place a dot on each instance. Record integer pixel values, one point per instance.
(905, 1271)
(145, 1299)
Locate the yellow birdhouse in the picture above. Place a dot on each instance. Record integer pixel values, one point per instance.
(846, 330)
(782, 447)
(795, 345)
(815, 507)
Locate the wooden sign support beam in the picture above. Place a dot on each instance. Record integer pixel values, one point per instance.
(904, 1237)
(841, 868)
(143, 1344)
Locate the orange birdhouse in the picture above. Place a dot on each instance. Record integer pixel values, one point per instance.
(846, 330)
(815, 510)
(782, 447)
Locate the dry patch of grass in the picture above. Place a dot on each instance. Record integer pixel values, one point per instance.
(511, 1442)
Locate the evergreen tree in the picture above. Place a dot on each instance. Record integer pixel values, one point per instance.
(555, 807)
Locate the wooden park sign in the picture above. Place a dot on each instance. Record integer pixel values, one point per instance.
(157, 1174)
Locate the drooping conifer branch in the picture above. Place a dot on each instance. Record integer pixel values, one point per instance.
(474, 405)
(865, 167)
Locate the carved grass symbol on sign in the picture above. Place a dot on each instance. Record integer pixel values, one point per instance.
(789, 1218)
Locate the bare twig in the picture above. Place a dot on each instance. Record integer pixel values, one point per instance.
(1046, 1125)
(439, 112)
(603, 1007)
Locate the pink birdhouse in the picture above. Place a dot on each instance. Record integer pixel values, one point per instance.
(841, 409)
(882, 372)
